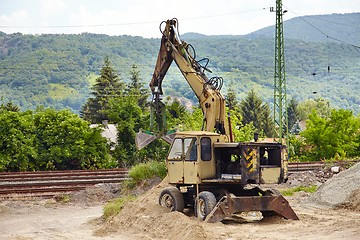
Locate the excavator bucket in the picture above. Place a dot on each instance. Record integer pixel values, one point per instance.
(169, 136)
(142, 139)
(230, 205)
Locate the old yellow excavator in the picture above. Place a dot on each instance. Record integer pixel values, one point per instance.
(208, 171)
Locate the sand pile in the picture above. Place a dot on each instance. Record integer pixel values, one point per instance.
(99, 193)
(341, 190)
(145, 215)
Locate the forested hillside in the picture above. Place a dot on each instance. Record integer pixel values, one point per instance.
(58, 70)
(319, 28)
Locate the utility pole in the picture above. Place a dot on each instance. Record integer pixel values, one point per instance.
(280, 105)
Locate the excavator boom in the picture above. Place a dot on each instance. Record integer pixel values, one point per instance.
(212, 103)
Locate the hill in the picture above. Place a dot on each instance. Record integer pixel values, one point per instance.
(316, 28)
(58, 70)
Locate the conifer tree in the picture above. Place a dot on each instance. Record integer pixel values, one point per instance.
(231, 100)
(293, 116)
(254, 111)
(107, 86)
(136, 90)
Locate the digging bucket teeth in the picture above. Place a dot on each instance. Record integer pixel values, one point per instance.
(144, 138)
(230, 205)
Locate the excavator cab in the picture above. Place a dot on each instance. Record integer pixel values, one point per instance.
(191, 157)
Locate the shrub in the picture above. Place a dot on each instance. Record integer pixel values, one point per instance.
(147, 170)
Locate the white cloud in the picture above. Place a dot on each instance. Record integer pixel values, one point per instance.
(52, 8)
(16, 18)
(114, 17)
(211, 18)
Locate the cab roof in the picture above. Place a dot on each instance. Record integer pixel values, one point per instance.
(197, 133)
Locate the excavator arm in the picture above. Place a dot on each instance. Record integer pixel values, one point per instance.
(211, 101)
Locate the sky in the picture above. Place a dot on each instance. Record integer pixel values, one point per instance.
(143, 17)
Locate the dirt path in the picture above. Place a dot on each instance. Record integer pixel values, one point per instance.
(145, 219)
(40, 220)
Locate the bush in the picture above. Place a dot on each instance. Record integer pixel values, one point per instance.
(50, 140)
(147, 170)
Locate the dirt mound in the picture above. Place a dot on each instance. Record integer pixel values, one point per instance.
(341, 190)
(308, 178)
(99, 193)
(145, 215)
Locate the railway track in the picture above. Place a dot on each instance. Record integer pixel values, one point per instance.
(304, 166)
(51, 183)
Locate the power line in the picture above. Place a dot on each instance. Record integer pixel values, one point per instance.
(319, 18)
(322, 32)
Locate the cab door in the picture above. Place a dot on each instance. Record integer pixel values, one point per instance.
(182, 161)
(190, 160)
(174, 163)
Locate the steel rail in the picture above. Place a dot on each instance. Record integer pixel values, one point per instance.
(51, 183)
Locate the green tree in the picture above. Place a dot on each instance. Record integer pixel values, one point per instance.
(136, 90)
(254, 111)
(18, 150)
(176, 114)
(321, 106)
(231, 99)
(293, 116)
(333, 136)
(9, 106)
(194, 120)
(66, 141)
(241, 133)
(128, 118)
(107, 86)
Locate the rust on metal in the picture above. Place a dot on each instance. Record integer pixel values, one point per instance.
(230, 205)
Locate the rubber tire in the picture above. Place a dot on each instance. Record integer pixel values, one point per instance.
(206, 202)
(172, 198)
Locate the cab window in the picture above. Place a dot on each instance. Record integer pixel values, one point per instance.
(176, 150)
(183, 149)
(190, 147)
(205, 149)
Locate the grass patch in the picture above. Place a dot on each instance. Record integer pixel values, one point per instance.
(147, 170)
(60, 91)
(114, 207)
(92, 78)
(144, 171)
(137, 173)
(292, 191)
(63, 198)
(128, 185)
